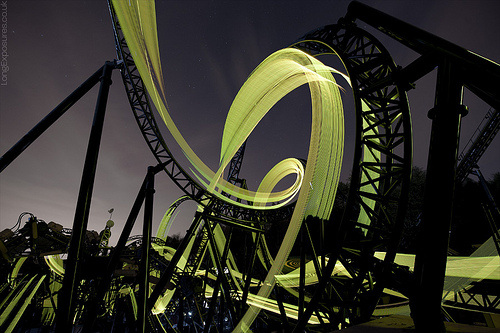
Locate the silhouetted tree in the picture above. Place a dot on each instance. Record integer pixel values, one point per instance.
(174, 241)
(470, 227)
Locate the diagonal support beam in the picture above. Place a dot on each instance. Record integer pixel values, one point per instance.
(49, 119)
(67, 299)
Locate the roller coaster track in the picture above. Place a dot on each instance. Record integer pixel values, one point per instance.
(381, 167)
(478, 144)
(383, 128)
(332, 280)
(373, 220)
(145, 118)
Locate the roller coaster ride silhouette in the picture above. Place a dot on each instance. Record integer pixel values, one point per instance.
(338, 280)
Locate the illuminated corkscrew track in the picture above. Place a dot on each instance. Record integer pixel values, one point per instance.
(146, 120)
(376, 201)
(250, 261)
(293, 260)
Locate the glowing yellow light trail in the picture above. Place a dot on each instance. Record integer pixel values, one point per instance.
(275, 77)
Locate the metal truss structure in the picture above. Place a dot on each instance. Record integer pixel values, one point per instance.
(197, 282)
(381, 170)
(478, 144)
(484, 297)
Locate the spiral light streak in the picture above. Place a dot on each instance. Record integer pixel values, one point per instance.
(315, 184)
(333, 285)
(274, 78)
(278, 75)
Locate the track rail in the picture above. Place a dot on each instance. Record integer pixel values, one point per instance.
(380, 175)
(141, 107)
(478, 145)
(381, 170)
(388, 142)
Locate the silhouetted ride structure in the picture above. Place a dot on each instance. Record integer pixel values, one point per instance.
(57, 279)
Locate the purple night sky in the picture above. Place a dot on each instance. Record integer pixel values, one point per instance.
(208, 49)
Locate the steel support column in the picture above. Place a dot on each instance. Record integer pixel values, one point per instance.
(221, 264)
(108, 273)
(431, 256)
(147, 188)
(248, 278)
(213, 303)
(142, 310)
(67, 299)
(285, 326)
(169, 272)
(302, 269)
